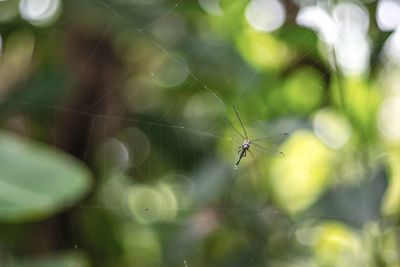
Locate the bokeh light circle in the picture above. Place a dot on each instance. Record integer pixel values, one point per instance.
(39, 12)
(351, 18)
(113, 157)
(137, 144)
(265, 15)
(150, 204)
(171, 71)
(319, 20)
(391, 48)
(332, 129)
(387, 15)
(352, 53)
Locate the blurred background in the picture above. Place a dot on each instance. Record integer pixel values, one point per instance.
(115, 150)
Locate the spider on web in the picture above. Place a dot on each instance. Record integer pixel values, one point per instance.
(245, 146)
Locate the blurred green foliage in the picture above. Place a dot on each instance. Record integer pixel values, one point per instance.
(28, 193)
(114, 149)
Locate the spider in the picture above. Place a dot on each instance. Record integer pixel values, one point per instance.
(245, 147)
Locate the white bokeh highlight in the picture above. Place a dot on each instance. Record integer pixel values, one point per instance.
(39, 12)
(344, 29)
(352, 53)
(331, 129)
(265, 15)
(388, 14)
(351, 18)
(138, 145)
(320, 21)
(391, 48)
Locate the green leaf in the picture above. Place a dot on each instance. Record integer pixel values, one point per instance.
(37, 181)
(300, 38)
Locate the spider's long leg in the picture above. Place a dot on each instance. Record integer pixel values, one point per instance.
(268, 150)
(250, 153)
(241, 123)
(276, 138)
(257, 145)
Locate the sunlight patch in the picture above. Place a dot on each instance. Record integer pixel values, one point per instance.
(337, 245)
(301, 176)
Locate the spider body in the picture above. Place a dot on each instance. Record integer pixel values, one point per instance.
(246, 144)
(243, 149)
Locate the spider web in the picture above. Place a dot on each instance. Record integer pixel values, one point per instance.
(211, 180)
